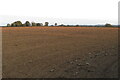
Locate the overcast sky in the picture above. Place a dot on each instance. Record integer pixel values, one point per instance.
(60, 11)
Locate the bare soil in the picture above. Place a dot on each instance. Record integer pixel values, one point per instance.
(60, 52)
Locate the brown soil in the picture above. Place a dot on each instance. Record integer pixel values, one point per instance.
(60, 52)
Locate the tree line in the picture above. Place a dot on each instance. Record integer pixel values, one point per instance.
(27, 23)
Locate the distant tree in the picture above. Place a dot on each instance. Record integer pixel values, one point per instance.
(41, 24)
(77, 25)
(8, 25)
(55, 24)
(51, 25)
(16, 24)
(67, 25)
(33, 24)
(46, 23)
(62, 25)
(27, 23)
(108, 25)
(13, 25)
(38, 24)
(23, 25)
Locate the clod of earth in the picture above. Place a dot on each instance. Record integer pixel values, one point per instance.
(89, 53)
(79, 64)
(71, 62)
(20, 71)
(90, 71)
(75, 73)
(24, 64)
(87, 63)
(30, 61)
(16, 45)
(83, 59)
(76, 60)
(96, 54)
(52, 70)
(106, 54)
(91, 57)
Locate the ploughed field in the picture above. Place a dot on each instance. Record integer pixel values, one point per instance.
(60, 52)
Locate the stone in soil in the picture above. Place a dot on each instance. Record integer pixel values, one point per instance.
(52, 70)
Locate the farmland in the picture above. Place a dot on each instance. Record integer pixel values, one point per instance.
(60, 52)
